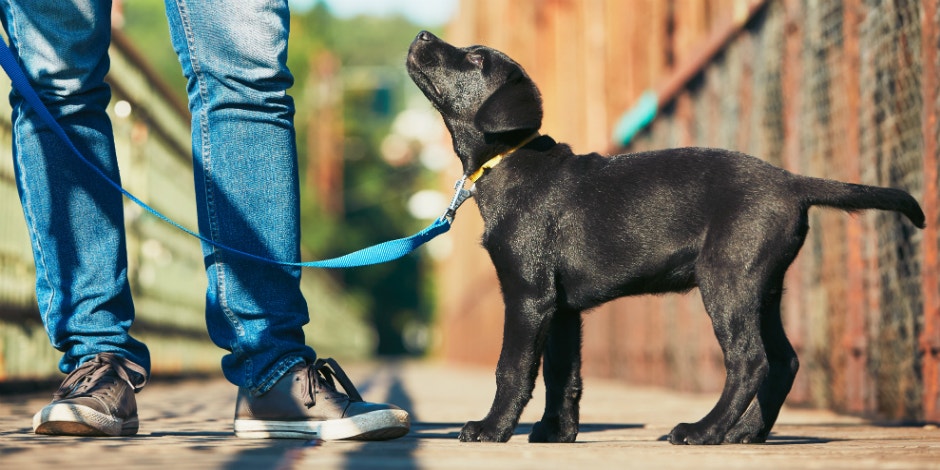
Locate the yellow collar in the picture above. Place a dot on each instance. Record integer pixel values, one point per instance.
(495, 160)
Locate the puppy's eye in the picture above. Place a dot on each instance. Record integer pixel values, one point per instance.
(475, 59)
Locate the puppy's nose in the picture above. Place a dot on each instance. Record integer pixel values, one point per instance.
(425, 36)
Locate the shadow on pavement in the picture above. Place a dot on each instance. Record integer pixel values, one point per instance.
(404, 448)
(775, 439)
(432, 430)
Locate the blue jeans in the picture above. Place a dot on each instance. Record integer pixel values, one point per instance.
(233, 53)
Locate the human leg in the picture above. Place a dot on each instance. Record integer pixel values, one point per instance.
(75, 224)
(234, 56)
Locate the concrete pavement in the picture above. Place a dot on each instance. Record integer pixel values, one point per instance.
(188, 424)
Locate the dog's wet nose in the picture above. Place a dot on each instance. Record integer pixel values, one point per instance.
(425, 36)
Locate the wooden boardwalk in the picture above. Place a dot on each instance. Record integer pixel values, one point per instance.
(188, 424)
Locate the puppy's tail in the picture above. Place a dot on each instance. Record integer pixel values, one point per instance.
(854, 197)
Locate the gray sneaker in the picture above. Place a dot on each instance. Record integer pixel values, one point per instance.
(305, 404)
(96, 399)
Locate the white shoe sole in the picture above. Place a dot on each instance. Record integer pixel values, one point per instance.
(373, 426)
(77, 420)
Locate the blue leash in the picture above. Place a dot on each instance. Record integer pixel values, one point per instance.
(377, 254)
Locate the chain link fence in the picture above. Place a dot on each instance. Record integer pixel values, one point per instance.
(834, 89)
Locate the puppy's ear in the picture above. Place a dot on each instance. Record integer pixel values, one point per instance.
(515, 105)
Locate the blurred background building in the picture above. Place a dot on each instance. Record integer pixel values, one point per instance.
(842, 89)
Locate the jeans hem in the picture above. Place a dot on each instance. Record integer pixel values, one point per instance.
(277, 373)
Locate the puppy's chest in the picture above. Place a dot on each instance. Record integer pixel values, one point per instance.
(524, 228)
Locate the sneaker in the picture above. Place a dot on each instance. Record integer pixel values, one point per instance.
(305, 404)
(96, 399)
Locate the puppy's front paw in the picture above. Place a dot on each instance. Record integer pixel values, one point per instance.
(742, 434)
(479, 431)
(552, 431)
(693, 434)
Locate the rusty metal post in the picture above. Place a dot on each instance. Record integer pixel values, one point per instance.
(792, 309)
(713, 44)
(854, 340)
(930, 335)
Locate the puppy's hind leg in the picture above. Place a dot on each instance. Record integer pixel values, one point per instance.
(755, 425)
(562, 373)
(733, 305)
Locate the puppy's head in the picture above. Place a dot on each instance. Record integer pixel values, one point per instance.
(488, 102)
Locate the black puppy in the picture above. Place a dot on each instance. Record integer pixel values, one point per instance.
(568, 232)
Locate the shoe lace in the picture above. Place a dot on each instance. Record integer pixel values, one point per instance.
(321, 374)
(89, 374)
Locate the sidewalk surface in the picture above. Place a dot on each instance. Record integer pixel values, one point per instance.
(189, 425)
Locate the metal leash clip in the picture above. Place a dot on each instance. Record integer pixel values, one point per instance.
(461, 194)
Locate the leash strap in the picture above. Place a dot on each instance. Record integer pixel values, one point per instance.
(377, 254)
